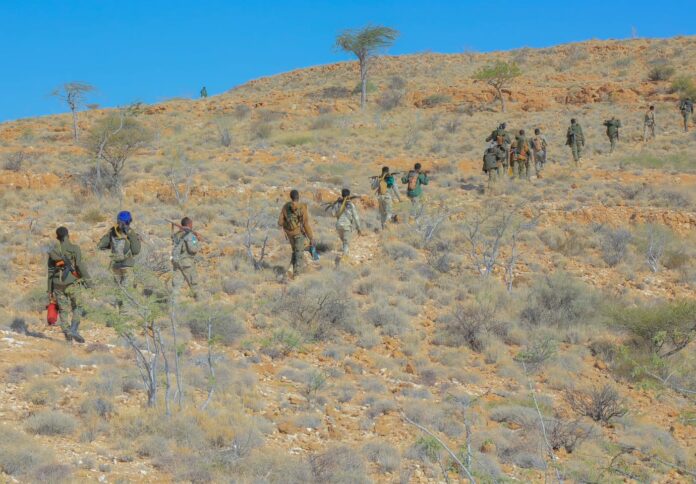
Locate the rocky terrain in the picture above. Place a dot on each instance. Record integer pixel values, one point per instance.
(530, 331)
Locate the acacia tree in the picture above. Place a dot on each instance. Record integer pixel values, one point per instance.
(498, 76)
(364, 43)
(73, 93)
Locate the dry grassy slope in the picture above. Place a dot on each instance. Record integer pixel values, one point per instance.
(319, 142)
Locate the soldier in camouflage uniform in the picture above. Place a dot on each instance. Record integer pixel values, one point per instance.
(294, 220)
(347, 220)
(185, 246)
(500, 136)
(385, 185)
(520, 154)
(124, 244)
(67, 275)
(539, 147)
(613, 126)
(493, 160)
(687, 109)
(414, 181)
(575, 139)
(649, 124)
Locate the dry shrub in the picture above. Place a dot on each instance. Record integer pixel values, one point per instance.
(340, 465)
(601, 404)
(51, 423)
(385, 455)
(19, 453)
(559, 300)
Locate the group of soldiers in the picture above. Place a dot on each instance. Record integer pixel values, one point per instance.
(68, 274)
(504, 153)
(295, 221)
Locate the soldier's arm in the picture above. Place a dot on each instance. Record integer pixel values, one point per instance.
(356, 218)
(424, 179)
(134, 240)
(81, 267)
(307, 226)
(50, 271)
(192, 245)
(281, 218)
(395, 189)
(105, 242)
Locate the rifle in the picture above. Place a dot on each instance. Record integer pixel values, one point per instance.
(388, 174)
(185, 229)
(330, 205)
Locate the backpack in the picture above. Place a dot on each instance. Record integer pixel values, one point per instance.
(490, 160)
(293, 218)
(412, 180)
(500, 139)
(344, 205)
(119, 248)
(382, 187)
(178, 249)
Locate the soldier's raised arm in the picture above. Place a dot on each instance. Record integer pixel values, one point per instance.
(105, 241)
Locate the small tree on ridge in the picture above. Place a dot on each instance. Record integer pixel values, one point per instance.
(498, 76)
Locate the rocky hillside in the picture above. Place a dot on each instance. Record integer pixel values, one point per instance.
(530, 331)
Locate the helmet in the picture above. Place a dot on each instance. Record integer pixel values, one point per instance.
(124, 216)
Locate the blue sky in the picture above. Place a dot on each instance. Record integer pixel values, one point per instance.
(151, 50)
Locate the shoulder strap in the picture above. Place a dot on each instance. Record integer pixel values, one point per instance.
(343, 207)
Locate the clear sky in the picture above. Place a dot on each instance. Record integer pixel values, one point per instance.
(151, 50)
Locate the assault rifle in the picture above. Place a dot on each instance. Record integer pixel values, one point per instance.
(329, 205)
(185, 229)
(393, 173)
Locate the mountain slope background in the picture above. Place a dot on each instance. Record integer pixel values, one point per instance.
(323, 378)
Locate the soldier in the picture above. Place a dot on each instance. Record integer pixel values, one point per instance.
(414, 180)
(204, 92)
(575, 139)
(539, 147)
(124, 244)
(384, 185)
(649, 124)
(294, 220)
(501, 137)
(687, 108)
(185, 246)
(66, 276)
(492, 162)
(347, 219)
(613, 126)
(520, 154)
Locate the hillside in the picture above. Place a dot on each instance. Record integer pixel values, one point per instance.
(332, 376)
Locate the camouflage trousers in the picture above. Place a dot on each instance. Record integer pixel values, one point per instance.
(386, 209)
(416, 207)
(345, 234)
(612, 143)
(493, 176)
(648, 132)
(522, 168)
(539, 161)
(686, 115)
(184, 274)
(576, 149)
(123, 278)
(297, 243)
(69, 304)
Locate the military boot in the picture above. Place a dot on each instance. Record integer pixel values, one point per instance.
(76, 336)
(68, 336)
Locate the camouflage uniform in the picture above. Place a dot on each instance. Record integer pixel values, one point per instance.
(492, 162)
(520, 155)
(576, 140)
(184, 248)
(66, 287)
(385, 200)
(294, 219)
(649, 125)
(613, 126)
(416, 194)
(687, 108)
(346, 220)
(124, 247)
(501, 136)
(539, 147)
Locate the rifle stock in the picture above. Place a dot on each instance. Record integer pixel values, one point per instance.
(181, 227)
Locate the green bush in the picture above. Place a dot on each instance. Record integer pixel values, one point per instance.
(51, 423)
(663, 329)
(660, 73)
(225, 327)
(684, 86)
(559, 300)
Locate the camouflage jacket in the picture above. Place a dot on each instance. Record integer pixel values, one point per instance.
(294, 220)
(539, 143)
(500, 133)
(613, 126)
(61, 257)
(649, 119)
(418, 191)
(346, 215)
(686, 107)
(574, 135)
(185, 246)
(124, 246)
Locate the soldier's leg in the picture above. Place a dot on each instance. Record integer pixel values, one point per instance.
(389, 208)
(526, 169)
(64, 311)
(613, 144)
(298, 245)
(686, 122)
(382, 211)
(177, 281)
(645, 132)
(73, 292)
(191, 275)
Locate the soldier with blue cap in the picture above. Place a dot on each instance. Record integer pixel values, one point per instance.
(124, 244)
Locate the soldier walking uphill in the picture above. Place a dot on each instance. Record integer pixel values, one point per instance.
(493, 159)
(649, 124)
(294, 220)
(575, 139)
(385, 185)
(539, 147)
(185, 246)
(124, 244)
(414, 180)
(501, 137)
(687, 109)
(613, 126)
(67, 275)
(347, 220)
(519, 154)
